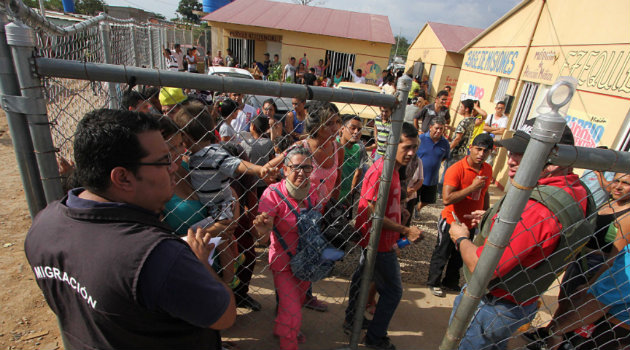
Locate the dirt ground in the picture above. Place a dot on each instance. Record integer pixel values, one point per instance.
(26, 322)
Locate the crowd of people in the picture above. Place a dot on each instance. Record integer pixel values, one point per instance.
(188, 186)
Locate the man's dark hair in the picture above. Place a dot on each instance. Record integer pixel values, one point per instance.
(260, 124)
(359, 71)
(409, 131)
(292, 58)
(469, 105)
(312, 70)
(276, 55)
(442, 93)
(447, 88)
(348, 117)
(266, 53)
(131, 99)
(437, 120)
(106, 139)
(177, 46)
(229, 51)
(195, 120)
(501, 103)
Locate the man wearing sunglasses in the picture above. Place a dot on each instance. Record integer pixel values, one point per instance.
(112, 272)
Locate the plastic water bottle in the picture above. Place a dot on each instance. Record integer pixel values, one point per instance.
(401, 243)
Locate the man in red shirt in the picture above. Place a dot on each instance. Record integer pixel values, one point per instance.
(534, 239)
(465, 191)
(387, 268)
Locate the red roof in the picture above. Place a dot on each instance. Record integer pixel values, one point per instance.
(453, 37)
(306, 19)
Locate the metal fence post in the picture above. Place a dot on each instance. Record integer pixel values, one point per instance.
(105, 33)
(18, 127)
(22, 42)
(403, 87)
(547, 132)
(134, 54)
(150, 35)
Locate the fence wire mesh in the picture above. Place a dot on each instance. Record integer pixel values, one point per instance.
(227, 147)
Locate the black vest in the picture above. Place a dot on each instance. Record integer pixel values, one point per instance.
(87, 263)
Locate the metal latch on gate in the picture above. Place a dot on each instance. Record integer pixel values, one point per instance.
(24, 105)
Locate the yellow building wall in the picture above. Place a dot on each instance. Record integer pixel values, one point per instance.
(371, 57)
(592, 46)
(427, 48)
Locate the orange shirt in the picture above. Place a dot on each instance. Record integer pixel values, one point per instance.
(461, 175)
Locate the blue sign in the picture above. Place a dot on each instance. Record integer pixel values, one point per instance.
(492, 61)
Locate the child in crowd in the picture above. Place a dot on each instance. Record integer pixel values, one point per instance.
(228, 109)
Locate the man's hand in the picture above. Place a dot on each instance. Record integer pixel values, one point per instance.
(478, 182)
(457, 231)
(198, 242)
(414, 234)
(263, 224)
(268, 174)
(475, 217)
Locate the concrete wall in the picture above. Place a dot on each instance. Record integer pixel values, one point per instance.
(592, 46)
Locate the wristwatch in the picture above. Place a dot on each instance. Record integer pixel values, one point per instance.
(459, 241)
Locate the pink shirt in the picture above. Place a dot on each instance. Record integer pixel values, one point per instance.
(284, 220)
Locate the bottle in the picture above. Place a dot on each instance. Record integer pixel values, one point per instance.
(477, 194)
(401, 243)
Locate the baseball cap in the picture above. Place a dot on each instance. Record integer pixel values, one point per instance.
(520, 139)
(484, 141)
(171, 96)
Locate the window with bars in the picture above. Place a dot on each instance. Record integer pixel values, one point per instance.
(502, 87)
(525, 103)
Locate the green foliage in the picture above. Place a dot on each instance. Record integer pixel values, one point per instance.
(403, 47)
(159, 16)
(275, 73)
(53, 5)
(186, 8)
(89, 7)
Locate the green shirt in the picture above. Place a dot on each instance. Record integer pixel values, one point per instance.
(353, 159)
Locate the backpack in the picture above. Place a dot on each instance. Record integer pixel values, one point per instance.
(526, 283)
(337, 230)
(307, 263)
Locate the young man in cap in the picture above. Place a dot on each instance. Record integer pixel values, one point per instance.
(465, 191)
(534, 239)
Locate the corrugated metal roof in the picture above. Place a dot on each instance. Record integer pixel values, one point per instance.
(453, 37)
(305, 19)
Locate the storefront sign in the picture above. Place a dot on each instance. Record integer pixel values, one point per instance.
(587, 133)
(492, 61)
(472, 92)
(539, 66)
(606, 69)
(255, 36)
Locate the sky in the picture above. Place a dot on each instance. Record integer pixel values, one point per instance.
(406, 17)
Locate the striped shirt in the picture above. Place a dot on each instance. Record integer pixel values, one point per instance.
(210, 171)
(382, 129)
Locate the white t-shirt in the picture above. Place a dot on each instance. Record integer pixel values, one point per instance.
(495, 122)
(244, 118)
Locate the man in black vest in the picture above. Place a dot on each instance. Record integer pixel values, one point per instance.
(112, 272)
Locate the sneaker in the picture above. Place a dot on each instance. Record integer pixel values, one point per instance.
(381, 344)
(248, 302)
(316, 305)
(347, 326)
(437, 291)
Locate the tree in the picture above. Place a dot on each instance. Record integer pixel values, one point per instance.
(186, 8)
(159, 16)
(89, 7)
(403, 46)
(53, 5)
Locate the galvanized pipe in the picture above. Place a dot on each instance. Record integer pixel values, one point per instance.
(122, 74)
(547, 132)
(591, 158)
(403, 87)
(18, 127)
(134, 48)
(105, 35)
(22, 43)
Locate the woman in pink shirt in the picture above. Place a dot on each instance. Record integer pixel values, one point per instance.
(277, 215)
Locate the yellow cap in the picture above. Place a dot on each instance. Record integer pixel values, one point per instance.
(171, 96)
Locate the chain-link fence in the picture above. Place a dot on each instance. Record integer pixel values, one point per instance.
(236, 141)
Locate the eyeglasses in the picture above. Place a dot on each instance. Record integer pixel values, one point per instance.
(306, 168)
(168, 162)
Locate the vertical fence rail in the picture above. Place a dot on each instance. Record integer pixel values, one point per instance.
(404, 85)
(18, 127)
(22, 42)
(546, 133)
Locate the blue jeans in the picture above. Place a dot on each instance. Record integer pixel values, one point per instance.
(494, 322)
(389, 288)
